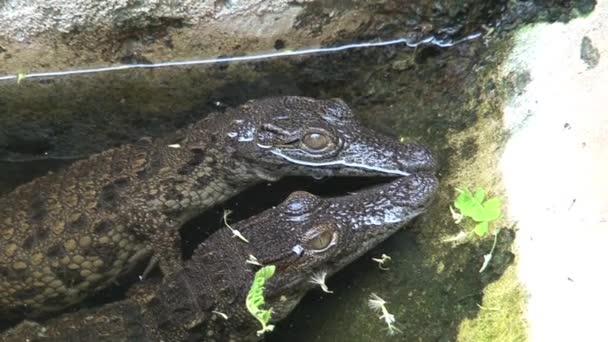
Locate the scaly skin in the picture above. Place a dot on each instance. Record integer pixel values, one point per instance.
(302, 236)
(69, 234)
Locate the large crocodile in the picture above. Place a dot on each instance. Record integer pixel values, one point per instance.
(68, 234)
(303, 236)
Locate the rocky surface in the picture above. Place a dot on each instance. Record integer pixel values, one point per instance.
(73, 116)
(450, 98)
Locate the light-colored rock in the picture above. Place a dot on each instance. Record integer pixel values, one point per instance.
(27, 19)
(58, 36)
(555, 169)
(40, 35)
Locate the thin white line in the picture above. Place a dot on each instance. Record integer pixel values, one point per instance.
(340, 162)
(429, 40)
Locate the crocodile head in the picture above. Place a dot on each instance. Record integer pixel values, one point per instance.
(205, 301)
(308, 235)
(281, 136)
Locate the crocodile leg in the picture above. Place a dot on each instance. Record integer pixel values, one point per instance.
(166, 242)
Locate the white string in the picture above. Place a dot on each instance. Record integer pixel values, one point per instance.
(286, 53)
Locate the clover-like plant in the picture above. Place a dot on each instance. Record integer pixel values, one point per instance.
(478, 209)
(255, 298)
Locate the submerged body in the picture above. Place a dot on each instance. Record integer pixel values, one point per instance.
(303, 236)
(66, 235)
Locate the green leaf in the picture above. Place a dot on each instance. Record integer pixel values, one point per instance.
(477, 213)
(492, 209)
(255, 298)
(481, 229)
(464, 200)
(265, 315)
(473, 206)
(467, 204)
(493, 205)
(480, 194)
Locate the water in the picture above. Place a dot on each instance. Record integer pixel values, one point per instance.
(434, 95)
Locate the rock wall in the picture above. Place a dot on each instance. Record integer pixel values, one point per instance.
(73, 116)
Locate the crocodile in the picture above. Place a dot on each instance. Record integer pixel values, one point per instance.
(205, 301)
(68, 234)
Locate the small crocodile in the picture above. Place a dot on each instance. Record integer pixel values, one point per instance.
(68, 234)
(303, 236)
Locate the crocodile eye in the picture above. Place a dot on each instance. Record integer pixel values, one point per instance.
(315, 141)
(321, 241)
(300, 203)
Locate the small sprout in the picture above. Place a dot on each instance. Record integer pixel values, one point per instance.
(174, 146)
(379, 305)
(221, 314)
(483, 212)
(253, 261)
(235, 233)
(255, 298)
(319, 279)
(486, 261)
(382, 262)
(456, 215)
(20, 77)
(488, 257)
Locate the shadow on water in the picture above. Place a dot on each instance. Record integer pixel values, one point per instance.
(426, 94)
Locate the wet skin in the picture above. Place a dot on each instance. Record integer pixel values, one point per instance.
(67, 235)
(303, 236)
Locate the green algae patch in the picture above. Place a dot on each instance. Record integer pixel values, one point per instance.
(501, 314)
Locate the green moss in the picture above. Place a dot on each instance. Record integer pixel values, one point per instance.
(501, 316)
